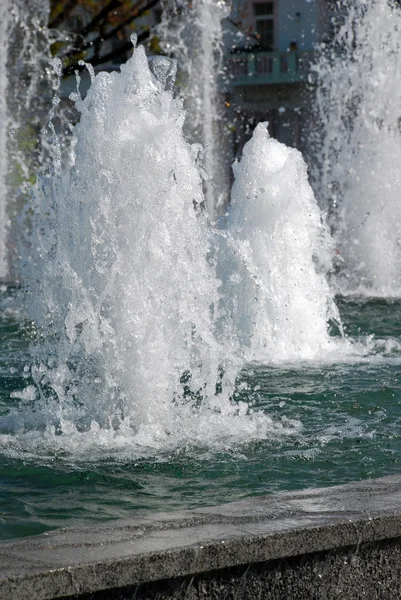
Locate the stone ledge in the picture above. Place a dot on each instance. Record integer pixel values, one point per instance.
(357, 519)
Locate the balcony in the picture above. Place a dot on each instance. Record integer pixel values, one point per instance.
(260, 68)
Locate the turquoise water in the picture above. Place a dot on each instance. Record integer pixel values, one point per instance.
(335, 423)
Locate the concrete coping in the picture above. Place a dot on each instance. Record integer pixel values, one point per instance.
(75, 561)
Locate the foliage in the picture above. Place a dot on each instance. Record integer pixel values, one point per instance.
(98, 31)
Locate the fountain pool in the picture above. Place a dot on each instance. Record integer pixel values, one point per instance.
(154, 361)
(330, 423)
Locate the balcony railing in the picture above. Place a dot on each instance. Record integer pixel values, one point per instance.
(268, 67)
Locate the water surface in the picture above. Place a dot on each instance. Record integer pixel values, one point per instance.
(331, 423)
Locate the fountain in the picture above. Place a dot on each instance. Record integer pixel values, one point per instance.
(283, 253)
(142, 343)
(124, 274)
(356, 168)
(193, 34)
(164, 360)
(25, 93)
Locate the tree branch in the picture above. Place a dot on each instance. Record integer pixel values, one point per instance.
(242, 30)
(99, 60)
(100, 16)
(120, 51)
(137, 12)
(63, 14)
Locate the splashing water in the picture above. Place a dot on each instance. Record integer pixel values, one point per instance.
(139, 340)
(194, 35)
(25, 91)
(122, 287)
(358, 176)
(145, 315)
(283, 251)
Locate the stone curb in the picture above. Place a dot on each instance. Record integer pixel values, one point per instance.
(76, 561)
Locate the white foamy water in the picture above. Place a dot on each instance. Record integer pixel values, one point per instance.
(125, 271)
(359, 174)
(282, 252)
(122, 280)
(121, 285)
(4, 17)
(144, 318)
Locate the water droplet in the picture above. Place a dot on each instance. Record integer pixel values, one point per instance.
(57, 66)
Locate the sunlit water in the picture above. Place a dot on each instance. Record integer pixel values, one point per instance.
(126, 279)
(356, 169)
(193, 35)
(152, 360)
(329, 423)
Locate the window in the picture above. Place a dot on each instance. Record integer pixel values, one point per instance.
(264, 20)
(263, 10)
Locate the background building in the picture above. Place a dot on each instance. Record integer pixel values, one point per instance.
(270, 45)
(270, 54)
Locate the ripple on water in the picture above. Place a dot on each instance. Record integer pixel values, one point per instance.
(306, 425)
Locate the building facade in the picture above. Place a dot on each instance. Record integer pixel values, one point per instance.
(271, 51)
